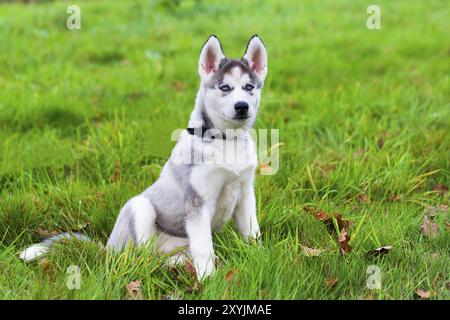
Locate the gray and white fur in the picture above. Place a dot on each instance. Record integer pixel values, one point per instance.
(190, 199)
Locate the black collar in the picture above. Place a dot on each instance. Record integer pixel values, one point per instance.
(211, 133)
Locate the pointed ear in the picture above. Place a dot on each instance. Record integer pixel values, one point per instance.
(256, 56)
(210, 57)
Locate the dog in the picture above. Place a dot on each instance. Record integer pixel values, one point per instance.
(202, 185)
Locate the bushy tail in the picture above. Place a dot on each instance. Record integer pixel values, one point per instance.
(36, 250)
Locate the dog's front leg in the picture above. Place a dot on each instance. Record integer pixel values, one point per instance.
(245, 213)
(198, 227)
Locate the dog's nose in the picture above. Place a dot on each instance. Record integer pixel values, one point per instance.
(241, 108)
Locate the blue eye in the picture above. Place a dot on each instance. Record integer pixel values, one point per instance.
(225, 88)
(249, 87)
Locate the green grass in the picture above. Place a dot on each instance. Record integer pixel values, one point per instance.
(86, 117)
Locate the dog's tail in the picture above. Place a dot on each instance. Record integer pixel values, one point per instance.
(38, 249)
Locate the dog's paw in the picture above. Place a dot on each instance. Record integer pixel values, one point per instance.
(254, 240)
(175, 260)
(204, 270)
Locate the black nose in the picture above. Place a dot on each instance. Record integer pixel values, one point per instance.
(241, 108)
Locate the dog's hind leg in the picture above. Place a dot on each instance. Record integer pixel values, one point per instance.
(136, 223)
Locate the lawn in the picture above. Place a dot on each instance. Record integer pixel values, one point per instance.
(363, 115)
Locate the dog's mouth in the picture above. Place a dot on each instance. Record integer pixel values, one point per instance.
(241, 117)
(237, 118)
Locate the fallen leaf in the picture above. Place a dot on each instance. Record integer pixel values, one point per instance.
(116, 173)
(328, 220)
(342, 223)
(380, 143)
(134, 291)
(136, 95)
(189, 267)
(435, 255)
(424, 294)
(359, 153)
(447, 226)
(327, 168)
(321, 216)
(310, 252)
(263, 293)
(99, 194)
(178, 85)
(263, 168)
(395, 197)
(331, 282)
(171, 296)
(343, 240)
(379, 251)
(440, 188)
(366, 297)
(46, 265)
(195, 288)
(363, 198)
(434, 211)
(230, 274)
(429, 228)
(45, 233)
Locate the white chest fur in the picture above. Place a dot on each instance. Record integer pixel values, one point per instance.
(219, 178)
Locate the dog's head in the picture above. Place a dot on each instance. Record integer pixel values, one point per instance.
(231, 88)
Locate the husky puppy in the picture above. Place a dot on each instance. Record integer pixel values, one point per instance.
(203, 184)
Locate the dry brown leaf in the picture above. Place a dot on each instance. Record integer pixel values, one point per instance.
(116, 174)
(310, 252)
(424, 294)
(178, 85)
(327, 168)
(331, 282)
(46, 265)
(45, 233)
(363, 198)
(195, 288)
(134, 291)
(343, 240)
(172, 296)
(380, 142)
(440, 188)
(99, 194)
(342, 223)
(395, 197)
(435, 255)
(429, 228)
(263, 167)
(263, 293)
(230, 274)
(328, 220)
(436, 210)
(379, 251)
(321, 216)
(189, 267)
(359, 153)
